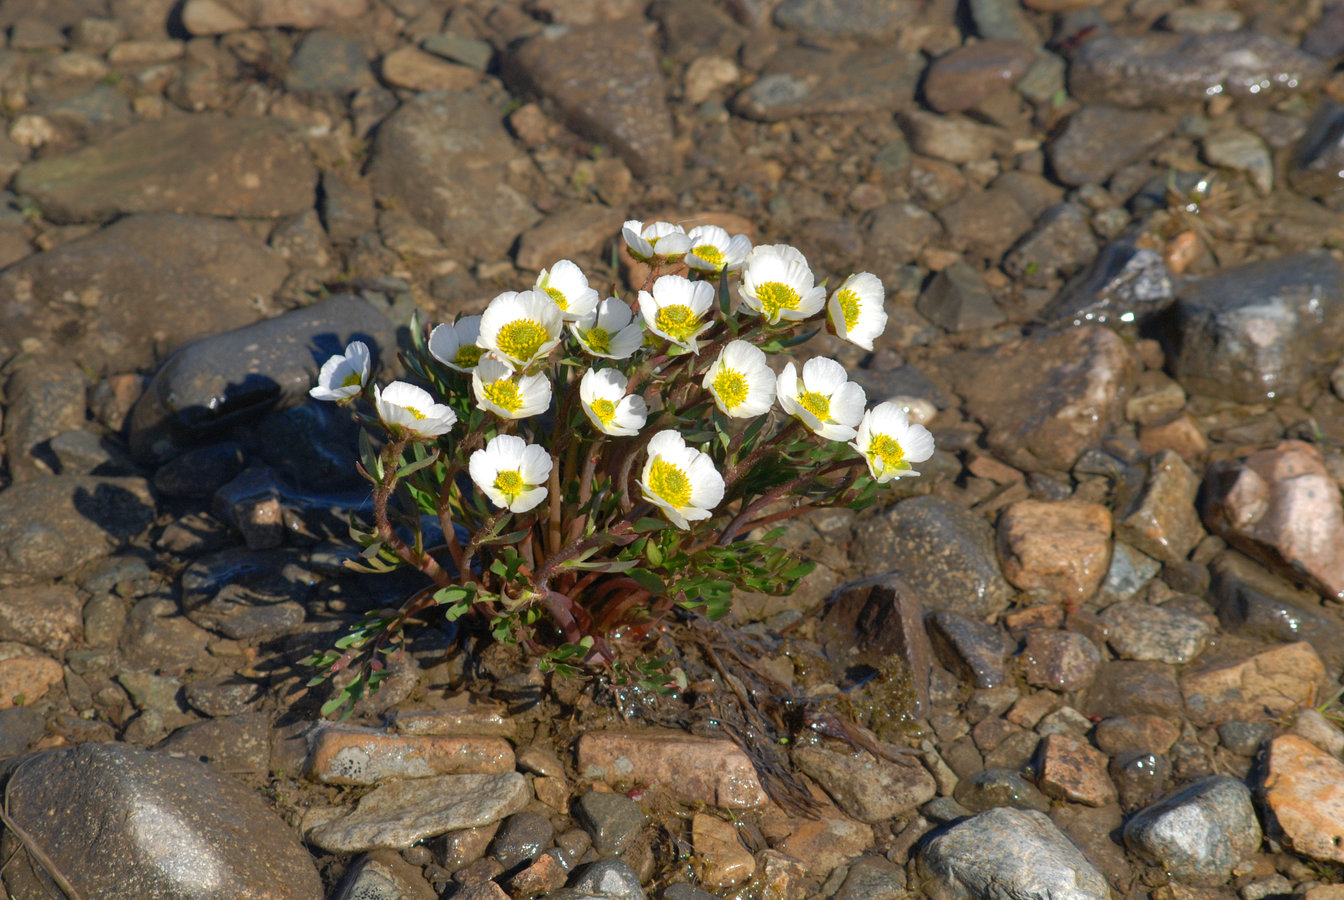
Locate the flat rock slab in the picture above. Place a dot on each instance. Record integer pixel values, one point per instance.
(693, 769)
(52, 526)
(1263, 686)
(808, 81)
(122, 822)
(1304, 786)
(349, 756)
(1060, 549)
(401, 813)
(871, 790)
(205, 164)
(114, 299)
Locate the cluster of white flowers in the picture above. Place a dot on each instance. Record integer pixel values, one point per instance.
(506, 351)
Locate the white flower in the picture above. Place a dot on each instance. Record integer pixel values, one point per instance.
(602, 392)
(680, 479)
(522, 326)
(405, 406)
(777, 284)
(889, 443)
(566, 284)
(856, 309)
(506, 393)
(677, 308)
(655, 239)
(609, 331)
(824, 399)
(455, 345)
(712, 250)
(344, 375)
(741, 381)
(512, 472)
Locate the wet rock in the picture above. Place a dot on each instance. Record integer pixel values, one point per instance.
(521, 838)
(328, 61)
(1242, 151)
(899, 231)
(1281, 506)
(206, 165)
(985, 223)
(809, 81)
(1264, 685)
(1060, 660)
(875, 618)
(1130, 570)
(1098, 140)
(606, 84)
(1071, 769)
(1261, 329)
(950, 138)
(1045, 399)
(958, 299)
(251, 504)
(468, 51)
(971, 648)
(863, 20)
(992, 788)
(384, 875)
(696, 770)
(1139, 776)
(51, 526)
(1304, 788)
(444, 158)
(1200, 833)
(1060, 550)
(1161, 521)
(195, 828)
(45, 398)
(221, 16)
(1018, 852)
(1151, 734)
(1058, 244)
(611, 878)
(216, 380)
(613, 820)
(246, 594)
(961, 79)
(1130, 688)
(350, 756)
(128, 278)
(869, 789)
(827, 843)
(198, 473)
(440, 804)
(997, 20)
(1312, 725)
(1156, 69)
(1142, 631)
(1122, 284)
(721, 858)
(944, 553)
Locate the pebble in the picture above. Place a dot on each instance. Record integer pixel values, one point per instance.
(958, 300)
(1098, 140)
(408, 67)
(613, 820)
(1058, 244)
(347, 756)
(1017, 852)
(25, 675)
(876, 21)
(880, 618)
(1143, 631)
(961, 79)
(1263, 685)
(1314, 726)
(723, 860)
(868, 789)
(949, 138)
(521, 838)
(48, 617)
(234, 744)
(1243, 151)
(1122, 284)
(221, 16)
(1070, 769)
(692, 769)
(384, 875)
(974, 650)
(1133, 688)
(809, 81)
(1060, 660)
(999, 788)
(1199, 834)
(984, 224)
(827, 843)
(46, 398)
(571, 229)
(1058, 550)
(1161, 520)
(244, 594)
(468, 51)
(609, 878)
(1304, 787)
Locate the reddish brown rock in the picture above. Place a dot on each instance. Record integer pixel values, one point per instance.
(721, 858)
(1162, 521)
(1148, 734)
(1263, 686)
(969, 74)
(1182, 435)
(1060, 660)
(1282, 507)
(349, 756)
(1061, 549)
(1304, 786)
(693, 769)
(1073, 770)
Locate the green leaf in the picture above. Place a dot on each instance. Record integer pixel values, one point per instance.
(646, 524)
(648, 581)
(416, 466)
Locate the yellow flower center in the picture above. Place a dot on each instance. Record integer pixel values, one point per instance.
(776, 296)
(817, 404)
(889, 450)
(351, 380)
(710, 254)
(677, 321)
(521, 339)
(730, 386)
(849, 308)
(598, 340)
(510, 484)
(670, 483)
(604, 409)
(558, 296)
(504, 394)
(414, 412)
(468, 356)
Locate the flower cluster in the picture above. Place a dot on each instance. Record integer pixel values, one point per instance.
(574, 417)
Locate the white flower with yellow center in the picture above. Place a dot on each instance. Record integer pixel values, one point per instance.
(856, 311)
(521, 326)
(407, 408)
(609, 331)
(823, 399)
(678, 310)
(566, 284)
(712, 250)
(889, 443)
(455, 345)
(655, 239)
(680, 479)
(777, 283)
(740, 380)
(511, 472)
(506, 393)
(602, 392)
(344, 375)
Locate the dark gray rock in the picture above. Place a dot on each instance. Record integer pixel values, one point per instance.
(20, 727)
(611, 878)
(993, 788)
(1122, 284)
(156, 636)
(973, 649)
(1002, 20)
(233, 744)
(958, 299)
(1139, 776)
(870, 620)
(328, 61)
(898, 231)
(1058, 243)
(613, 820)
(45, 397)
(130, 278)
(1143, 631)
(444, 158)
(1098, 140)
(246, 594)
(807, 81)
(129, 823)
(1259, 330)
(1200, 833)
(1009, 853)
(244, 372)
(521, 838)
(1160, 520)
(984, 223)
(944, 553)
(1157, 69)
(200, 472)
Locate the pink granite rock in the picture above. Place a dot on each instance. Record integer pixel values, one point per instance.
(1060, 549)
(1304, 786)
(694, 769)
